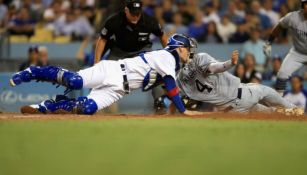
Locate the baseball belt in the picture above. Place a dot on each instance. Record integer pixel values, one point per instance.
(239, 95)
(125, 83)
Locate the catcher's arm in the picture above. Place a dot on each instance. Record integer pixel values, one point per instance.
(173, 95)
(172, 110)
(219, 67)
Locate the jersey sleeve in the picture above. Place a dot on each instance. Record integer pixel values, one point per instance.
(156, 28)
(107, 30)
(285, 21)
(202, 62)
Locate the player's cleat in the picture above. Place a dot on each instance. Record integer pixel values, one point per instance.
(298, 111)
(22, 76)
(61, 105)
(52, 74)
(290, 111)
(41, 108)
(159, 106)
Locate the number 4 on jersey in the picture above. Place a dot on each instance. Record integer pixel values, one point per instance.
(201, 87)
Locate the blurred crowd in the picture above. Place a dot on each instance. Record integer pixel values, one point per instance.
(210, 21)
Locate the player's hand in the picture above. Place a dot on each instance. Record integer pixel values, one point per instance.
(235, 57)
(192, 113)
(267, 49)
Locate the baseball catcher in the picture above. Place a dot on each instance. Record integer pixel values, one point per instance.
(111, 80)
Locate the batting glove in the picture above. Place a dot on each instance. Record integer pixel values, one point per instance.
(267, 49)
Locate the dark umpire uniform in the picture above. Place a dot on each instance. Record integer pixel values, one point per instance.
(127, 34)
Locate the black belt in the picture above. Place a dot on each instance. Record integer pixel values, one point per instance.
(239, 95)
(125, 83)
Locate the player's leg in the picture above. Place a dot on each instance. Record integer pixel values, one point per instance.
(271, 98)
(52, 74)
(255, 94)
(259, 108)
(292, 63)
(87, 78)
(96, 100)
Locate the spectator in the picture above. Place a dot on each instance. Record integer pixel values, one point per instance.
(54, 15)
(197, 28)
(149, 7)
(182, 8)
(75, 25)
(86, 59)
(272, 74)
(242, 6)
(297, 95)
(234, 15)
(254, 46)
(265, 22)
(268, 11)
(240, 71)
(241, 35)
(211, 10)
(226, 28)
(159, 15)
(22, 24)
(37, 8)
(33, 58)
(251, 20)
(43, 56)
(212, 35)
(250, 72)
(167, 10)
(3, 11)
(177, 26)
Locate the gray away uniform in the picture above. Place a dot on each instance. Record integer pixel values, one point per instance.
(297, 56)
(221, 89)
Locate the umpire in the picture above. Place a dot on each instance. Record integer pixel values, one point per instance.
(127, 34)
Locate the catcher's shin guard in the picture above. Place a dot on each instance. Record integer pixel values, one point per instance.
(53, 74)
(63, 105)
(60, 105)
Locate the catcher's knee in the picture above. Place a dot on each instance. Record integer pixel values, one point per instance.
(87, 106)
(73, 80)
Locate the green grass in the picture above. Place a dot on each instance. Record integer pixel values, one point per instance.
(153, 147)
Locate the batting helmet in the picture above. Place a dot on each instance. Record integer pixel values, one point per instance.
(179, 40)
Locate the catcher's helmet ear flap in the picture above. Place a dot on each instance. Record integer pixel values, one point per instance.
(178, 40)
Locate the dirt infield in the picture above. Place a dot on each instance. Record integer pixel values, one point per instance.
(272, 117)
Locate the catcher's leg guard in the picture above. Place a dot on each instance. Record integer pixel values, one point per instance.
(63, 105)
(53, 74)
(49, 106)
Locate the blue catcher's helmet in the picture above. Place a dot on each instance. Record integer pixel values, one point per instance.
(178, 40)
